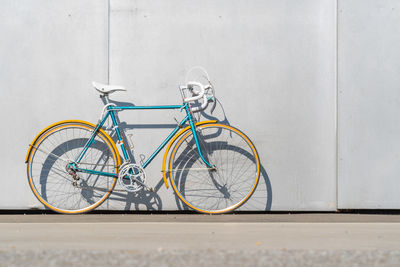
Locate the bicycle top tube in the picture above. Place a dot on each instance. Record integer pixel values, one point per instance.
(147, 107)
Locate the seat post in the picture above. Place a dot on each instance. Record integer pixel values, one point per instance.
(106, 99)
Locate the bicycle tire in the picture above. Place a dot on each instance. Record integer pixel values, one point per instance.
(234, 179)
(49, 179)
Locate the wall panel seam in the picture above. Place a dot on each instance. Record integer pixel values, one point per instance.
(337, 104)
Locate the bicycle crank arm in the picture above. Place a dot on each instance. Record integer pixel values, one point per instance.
(151, 189)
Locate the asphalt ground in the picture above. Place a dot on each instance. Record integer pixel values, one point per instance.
(28, 217)
(310, 239)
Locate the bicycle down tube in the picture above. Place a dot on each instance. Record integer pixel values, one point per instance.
(110, 112)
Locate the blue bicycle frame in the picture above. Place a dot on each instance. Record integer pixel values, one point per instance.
(111, 113)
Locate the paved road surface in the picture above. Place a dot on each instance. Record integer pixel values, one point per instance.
(200, 240)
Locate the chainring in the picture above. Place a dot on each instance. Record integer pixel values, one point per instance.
(129, 175)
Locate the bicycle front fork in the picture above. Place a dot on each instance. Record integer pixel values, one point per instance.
(196, 139)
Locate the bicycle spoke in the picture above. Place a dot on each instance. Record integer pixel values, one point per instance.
(51, 154)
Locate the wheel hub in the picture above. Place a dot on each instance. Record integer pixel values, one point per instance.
(72, 172)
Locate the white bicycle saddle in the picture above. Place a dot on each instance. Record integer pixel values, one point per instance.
(107, 89)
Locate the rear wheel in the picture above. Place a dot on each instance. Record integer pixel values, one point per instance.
(52, 180)
(224, 188)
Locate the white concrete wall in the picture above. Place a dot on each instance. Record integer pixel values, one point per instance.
(369, 104)
(273, 64)
(50, 51)
(278, 57)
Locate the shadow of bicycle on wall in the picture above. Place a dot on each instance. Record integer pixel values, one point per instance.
(57, 186)
(261, 198)
(120, 199)
(232, 182)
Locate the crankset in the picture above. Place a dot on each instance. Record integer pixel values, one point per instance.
(132, 178)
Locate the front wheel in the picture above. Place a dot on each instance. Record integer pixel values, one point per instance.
(220, 189)
(52, 180)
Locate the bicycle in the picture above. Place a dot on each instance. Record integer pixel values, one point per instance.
(73, 165)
